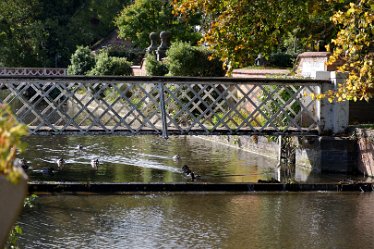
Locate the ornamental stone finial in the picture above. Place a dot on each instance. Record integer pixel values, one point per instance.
(153, 36)
(164, 46)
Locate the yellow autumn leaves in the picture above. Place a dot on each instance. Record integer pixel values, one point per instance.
(354, 50)
(10, 140)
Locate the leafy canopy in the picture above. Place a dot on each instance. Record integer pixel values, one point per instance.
(37, 33)
(238, 30)
(353, 47)
(138, 20)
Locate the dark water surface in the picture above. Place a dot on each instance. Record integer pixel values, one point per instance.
(273, 220)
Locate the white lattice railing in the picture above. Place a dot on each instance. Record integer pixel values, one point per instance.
(36, 71)
(163, 105)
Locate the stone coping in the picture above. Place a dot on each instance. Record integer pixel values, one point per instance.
(314, 54)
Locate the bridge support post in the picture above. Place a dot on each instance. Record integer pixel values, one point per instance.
(333, 117)
(163, 110)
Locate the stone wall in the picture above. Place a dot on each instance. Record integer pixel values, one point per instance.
(313, 154)
(365, 142)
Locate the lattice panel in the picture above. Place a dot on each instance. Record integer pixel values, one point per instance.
(82, 107)
(32, 71)
(151, 106)
(239, 107)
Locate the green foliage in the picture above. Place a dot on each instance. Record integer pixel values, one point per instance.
(108, 65)
(39, 33)
(21, 33)
(133, 55)
(186, 60)
(153, 67)
(81, 61)
(138, 20)
(281, 60)
(240, 30)
(11, 133)
(354, 51)
(13, 237)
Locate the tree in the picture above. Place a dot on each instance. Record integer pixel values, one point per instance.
(138, 20)
(238, 30)
(21, 33)
(82, 61)
(353, 47)
(45, 33)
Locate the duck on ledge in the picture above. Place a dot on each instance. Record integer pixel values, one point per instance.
(60, 163)
(95, 164)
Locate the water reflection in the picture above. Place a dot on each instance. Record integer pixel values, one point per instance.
(289, 220)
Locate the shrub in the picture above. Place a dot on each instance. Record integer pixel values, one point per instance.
(186, 60)
(108, 65)
(154, 67)
(281, 60)
(133, 55)
(81, 61)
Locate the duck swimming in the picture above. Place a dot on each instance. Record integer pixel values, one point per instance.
(60, 163)
(188, 172)
(22, 163)
(186, 169)
(176, 157)
(95, 164)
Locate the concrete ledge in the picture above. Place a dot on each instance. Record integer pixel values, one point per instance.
(118, 188)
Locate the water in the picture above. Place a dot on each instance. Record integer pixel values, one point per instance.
(274, 220)
(150, 159)
(200, 220)
(141, 159)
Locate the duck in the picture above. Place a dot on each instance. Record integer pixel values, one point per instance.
(186, 170)
(95, 164)
(176, 157)
(193, 176)
(60, 163)
(79, 147)
(24, 164)
(21, 163)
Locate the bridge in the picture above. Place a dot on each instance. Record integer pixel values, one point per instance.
(60, 104)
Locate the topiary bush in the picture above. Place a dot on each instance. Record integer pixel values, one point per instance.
(82, 61)
(186, 60)
(108, 65)
(153, 67)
